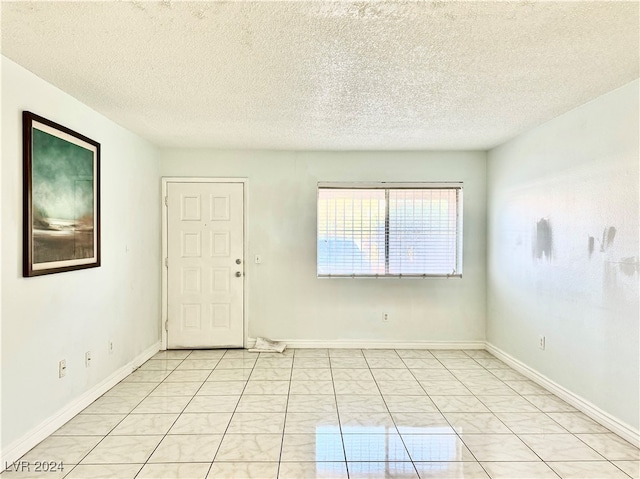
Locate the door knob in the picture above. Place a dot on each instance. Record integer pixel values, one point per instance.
(238, 274)
(238, 261)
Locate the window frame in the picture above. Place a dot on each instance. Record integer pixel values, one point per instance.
(457, 185)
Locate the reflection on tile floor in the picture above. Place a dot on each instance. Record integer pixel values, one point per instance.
(339, 413)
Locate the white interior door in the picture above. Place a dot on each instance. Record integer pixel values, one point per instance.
(205, 265)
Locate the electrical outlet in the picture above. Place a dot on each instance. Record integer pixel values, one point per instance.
(87, 359)
(385, 317)
(110, 346)
(62, 368)
(541, 342)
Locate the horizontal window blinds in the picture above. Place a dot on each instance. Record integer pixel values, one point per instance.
(351, 231)
(422, 231)
(388, 231)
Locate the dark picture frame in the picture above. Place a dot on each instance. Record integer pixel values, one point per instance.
(61, 198)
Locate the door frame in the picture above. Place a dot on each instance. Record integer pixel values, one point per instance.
(166, 180)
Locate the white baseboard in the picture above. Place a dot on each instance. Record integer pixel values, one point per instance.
(32, 438)
(374, 344)
(594, 412)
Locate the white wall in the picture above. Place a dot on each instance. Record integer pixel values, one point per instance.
(60, 316)
(578, 173)
(286, 299)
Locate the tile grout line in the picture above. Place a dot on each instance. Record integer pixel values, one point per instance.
(481, 373)
(517, 393)
(286, 408)
(335, 398)
(518, 435)
(406, 449)
(507, 426)
(477, 398)
(126, 415)
(539, 412)
(233, 413)
(436, 406)
(183, 409)
(442, 413)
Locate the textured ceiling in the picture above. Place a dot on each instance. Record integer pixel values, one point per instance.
(363, 75)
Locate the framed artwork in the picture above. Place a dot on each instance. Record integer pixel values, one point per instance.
(61, 213)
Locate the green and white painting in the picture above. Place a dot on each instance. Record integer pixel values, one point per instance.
(61, 186)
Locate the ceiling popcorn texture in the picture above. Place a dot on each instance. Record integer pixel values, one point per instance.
(320, 75)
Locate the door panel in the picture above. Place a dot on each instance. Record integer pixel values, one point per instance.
(205, 239)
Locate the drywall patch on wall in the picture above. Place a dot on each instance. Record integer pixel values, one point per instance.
(581, 172)
(543, 240)
(621, 285)
(629, 265)
(608, 237)
(610, 284)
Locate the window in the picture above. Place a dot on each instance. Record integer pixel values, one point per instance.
(392, 230)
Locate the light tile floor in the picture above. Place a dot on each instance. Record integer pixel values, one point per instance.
(317, 413)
